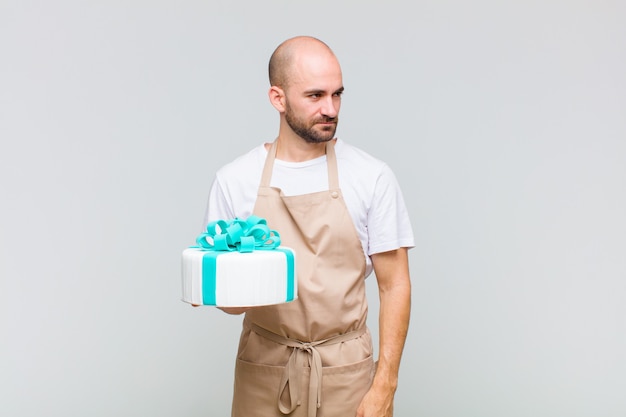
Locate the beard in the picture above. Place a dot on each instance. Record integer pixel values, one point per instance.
(308, 131)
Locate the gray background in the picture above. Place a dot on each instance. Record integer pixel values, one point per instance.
(504, 122)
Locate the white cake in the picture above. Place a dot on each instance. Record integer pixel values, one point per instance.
(234, 279)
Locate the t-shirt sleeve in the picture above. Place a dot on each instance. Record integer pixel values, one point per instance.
(388, 223)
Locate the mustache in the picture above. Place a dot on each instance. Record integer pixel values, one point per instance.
(326, 120)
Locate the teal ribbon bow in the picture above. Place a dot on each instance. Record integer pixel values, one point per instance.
(239, 235)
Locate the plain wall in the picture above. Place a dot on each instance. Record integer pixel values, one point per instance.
(503, 121)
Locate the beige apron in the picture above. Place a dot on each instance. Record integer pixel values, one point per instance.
(311, 357)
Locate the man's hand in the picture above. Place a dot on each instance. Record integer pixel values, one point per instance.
(230, 310)
(378, 402)
(234, 310)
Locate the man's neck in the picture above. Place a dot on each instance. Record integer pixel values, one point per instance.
(297, 150)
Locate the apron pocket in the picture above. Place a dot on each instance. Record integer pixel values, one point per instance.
(343, 388)
(256, 390)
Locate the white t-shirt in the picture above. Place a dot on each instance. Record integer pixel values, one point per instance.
(368, 185)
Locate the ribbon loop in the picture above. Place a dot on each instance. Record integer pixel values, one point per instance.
(239, 235)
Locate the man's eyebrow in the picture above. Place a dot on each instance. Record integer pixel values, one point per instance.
(320, 91)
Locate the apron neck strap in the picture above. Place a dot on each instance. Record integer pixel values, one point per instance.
(331, 163)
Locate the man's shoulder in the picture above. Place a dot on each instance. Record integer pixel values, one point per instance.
(245, 163)
(352, 156)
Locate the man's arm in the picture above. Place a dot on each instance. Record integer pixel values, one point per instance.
(394, 285)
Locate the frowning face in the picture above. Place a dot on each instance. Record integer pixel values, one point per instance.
(313, 97)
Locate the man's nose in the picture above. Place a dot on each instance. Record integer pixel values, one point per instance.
(330, 108)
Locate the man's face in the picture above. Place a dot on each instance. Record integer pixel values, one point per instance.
(313, 98)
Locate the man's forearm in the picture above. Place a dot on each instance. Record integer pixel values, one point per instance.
(395, 309)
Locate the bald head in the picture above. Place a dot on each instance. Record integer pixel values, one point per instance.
(284, 57)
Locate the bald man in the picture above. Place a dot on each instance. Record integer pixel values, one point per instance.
(343, 213)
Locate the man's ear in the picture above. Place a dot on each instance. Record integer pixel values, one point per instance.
(277, 98)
